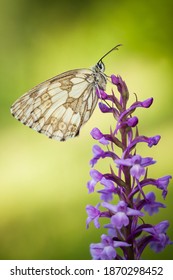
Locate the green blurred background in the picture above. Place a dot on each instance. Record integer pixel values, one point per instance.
(43, 191)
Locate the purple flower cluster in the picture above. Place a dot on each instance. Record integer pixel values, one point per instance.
(125, 183)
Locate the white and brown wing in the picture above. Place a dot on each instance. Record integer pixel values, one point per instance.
(59, 106)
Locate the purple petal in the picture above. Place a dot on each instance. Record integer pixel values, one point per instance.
(109, 206)
(104, 141)
(124, 162)
(93, 211)
(108, 253)
(107, 183)
(106, 240)
(137, 171)
(101, 94)
(119, 220)
(150, 205)
(96, 222)
(104, 108)
(93, 161)
(121, 244)
(96, 175)
(133, 212)
(136, 159)
(162, 227)
(162, 183)
(93, 215)
(108, 191)
(147, 161)
(121, 86)
(160, 243)
(115, 79)
(121, 206)
(153, 140)
(91, 185)
(111, 230)
(96, 250)
(160, 239)
(132, 122)
(96, 133)
(97, 151)
(147, 103)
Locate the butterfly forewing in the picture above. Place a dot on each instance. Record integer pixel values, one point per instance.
(59, 106)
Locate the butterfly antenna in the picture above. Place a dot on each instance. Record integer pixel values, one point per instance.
(114, 48)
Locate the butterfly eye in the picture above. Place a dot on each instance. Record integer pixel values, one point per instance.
(101, 66)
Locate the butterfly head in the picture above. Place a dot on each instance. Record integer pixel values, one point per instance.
(100, 67)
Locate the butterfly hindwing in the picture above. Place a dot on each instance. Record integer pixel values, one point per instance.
(59, 106)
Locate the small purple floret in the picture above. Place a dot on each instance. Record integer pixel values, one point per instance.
(137, 164)
(106, 249)
(93, 215)
(151, 206)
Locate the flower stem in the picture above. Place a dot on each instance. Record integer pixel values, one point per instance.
(126, 171)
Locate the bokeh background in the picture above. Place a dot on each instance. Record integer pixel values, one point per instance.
(43, 191)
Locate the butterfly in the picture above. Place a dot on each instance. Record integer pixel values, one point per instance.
(60, 106)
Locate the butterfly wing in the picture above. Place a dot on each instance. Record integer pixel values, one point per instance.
(59, 106)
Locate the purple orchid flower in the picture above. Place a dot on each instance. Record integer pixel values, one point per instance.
(126, 180)
(120, 213)
(137, 164)
(106, 249)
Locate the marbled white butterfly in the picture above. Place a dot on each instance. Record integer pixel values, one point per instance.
(59, 106)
